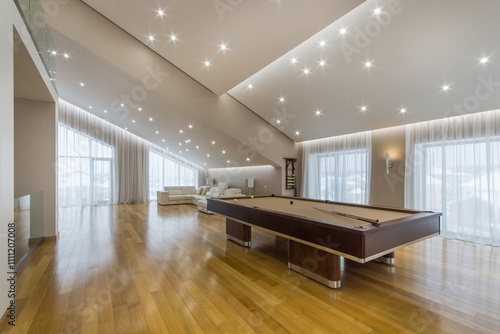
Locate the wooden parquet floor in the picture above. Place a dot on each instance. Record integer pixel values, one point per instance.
(140, 268)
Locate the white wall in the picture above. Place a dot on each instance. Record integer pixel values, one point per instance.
(7, 9)
(35, 155)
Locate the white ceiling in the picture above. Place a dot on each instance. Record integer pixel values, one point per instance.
(415, 47)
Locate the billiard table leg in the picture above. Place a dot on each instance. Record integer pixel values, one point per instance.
(387, 258)
(314, 263)
(239, 233)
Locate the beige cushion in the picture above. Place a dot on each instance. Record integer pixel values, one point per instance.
(204, 190)
(175, 192)
(232, 191)
(199, 191)
(223, 186)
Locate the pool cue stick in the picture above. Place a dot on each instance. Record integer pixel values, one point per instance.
(371, 221)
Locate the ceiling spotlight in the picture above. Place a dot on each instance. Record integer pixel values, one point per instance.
(297, 133)
(483, 60)
(228, 161)
(122, 105)
(133, 121)
(90, 107)
(180, 144)
(187, 149)
(377, 11)
(208, 155)
(213, 142)
(163, 140)
(105, 111)
(140, 109)
(173, 38)
(223, 152)
(66, 55)
(204, 164)
(322, 63)
(282, 99)
(293, 60)
(248, 159)
(250, 86)
(82, 84)
(54, 53)
(402, 110)
(343, 31)
(446, 87)
(150, 119)
(207, 63)
(126, 129)
(180, 131)
(157, 132)
(317, 112)
(160, 12)
(322, 44)
(306, 71)
(190, 126)
(278, 121)
(151, 38)
(363, 108)
(197, 147)
(223, 47)
(368, 64)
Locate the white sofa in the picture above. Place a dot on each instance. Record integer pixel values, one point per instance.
(198, 197)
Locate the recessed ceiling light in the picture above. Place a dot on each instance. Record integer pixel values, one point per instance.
(66, 55)
(207, 63)
(105, 111)
(189, 140)
(54, 53)
(293, 60)
(208, 155)
(282, 99)
(126, 129)
(157, 132)
(402, 110)
(133, 121)
(122, 105)
(446, 87)
(187, 149)
(343, 31)
(223, 47)
(140, 109)
(368, 64)
(190, 126)
(322, 44)
(180, 144)
(180, 131)
(363, 108)
(322, 63)
(173, 38)
(180, 152)
(377, 11)
(204, 164)
(297, 133)
(223, 152)
(228, 161)
(278, 121)
(151, 38)
(318, 112)
(250, 86)
(186, 141)
(150, 119)
(213, 142)
(483, 60)
(90, 107)
(163, 140)
(160, 12)
(306, 71)
(82, 84)
(197, 147)
(248, 159)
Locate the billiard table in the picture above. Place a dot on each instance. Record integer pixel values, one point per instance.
(320, 232)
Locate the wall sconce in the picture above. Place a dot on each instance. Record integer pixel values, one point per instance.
(388, 163)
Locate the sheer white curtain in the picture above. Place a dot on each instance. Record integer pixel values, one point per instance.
(338, 168)
(85, 146)
(453, 166)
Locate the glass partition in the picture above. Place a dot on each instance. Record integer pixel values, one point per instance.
(28, 220)
(36, 20)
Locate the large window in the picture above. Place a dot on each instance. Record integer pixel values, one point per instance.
(85, 169)
(338, 168)
(453, 167)
(166, 172)
(461, 179)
